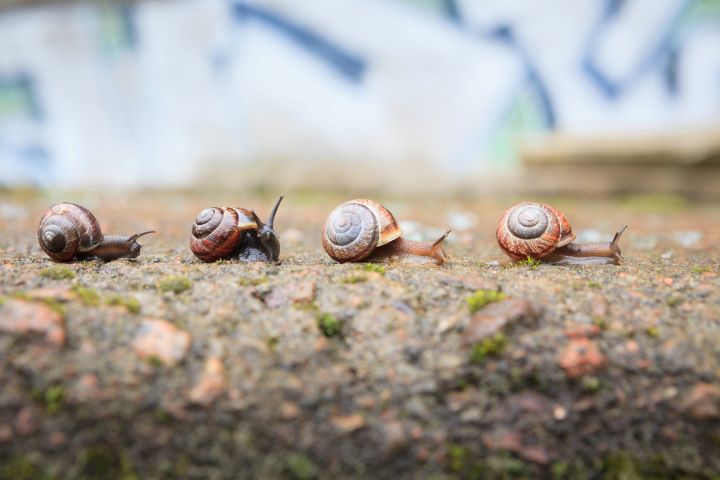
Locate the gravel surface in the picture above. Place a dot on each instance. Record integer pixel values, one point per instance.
(165, 367)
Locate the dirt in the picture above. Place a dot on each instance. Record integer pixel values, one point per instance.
(171, 368)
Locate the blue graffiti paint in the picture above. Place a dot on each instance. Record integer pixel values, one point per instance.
(350, 65)
(663, 57)
(505, 34)
(20, 91)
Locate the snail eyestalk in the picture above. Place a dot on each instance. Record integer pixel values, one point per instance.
(271, 219)
(138, 235)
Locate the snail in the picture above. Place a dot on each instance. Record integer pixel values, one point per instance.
(365, 230)
(228, 232)
(541, 232)
(68, 231)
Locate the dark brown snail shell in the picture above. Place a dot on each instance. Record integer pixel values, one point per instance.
(68, 231)
(539, 231)
(362, 229)
(227, 232)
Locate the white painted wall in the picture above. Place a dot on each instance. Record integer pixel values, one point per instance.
(194, 88)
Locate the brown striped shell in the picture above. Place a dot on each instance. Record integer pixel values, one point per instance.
(354, 229)
(532, 230)
(218, 231)
(67, 229)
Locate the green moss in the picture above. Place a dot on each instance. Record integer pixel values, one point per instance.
(701, 268)
(531, 263)
(51, 398)
(328, 324)
(457, 456)
(251, 282)
(300, 467)
(620, 466)
(600, 322)
(590, 384)
(18, 467)
(162, 416)
(57, 273)
(174, 283)
(480, 298)
(87, 296)
(560, 470)
(652, 332)
(154, 361)
(503, 467)
(54, 397)
(100, 462)
(272, 343)
(675, 300)
(353, 279)
(374, 267)
(488, 346)
(131, 304)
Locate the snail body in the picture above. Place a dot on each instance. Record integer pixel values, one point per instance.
(541, 232)
(362, 229)
(229, 232)
(69, 231)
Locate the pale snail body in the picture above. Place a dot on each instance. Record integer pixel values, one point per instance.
(541, 232)
(69, 231)
(362, 229)
(229, 232)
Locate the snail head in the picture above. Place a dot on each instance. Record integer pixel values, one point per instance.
(266, 235)
(133, 247)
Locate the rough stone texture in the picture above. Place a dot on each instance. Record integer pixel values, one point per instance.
(396, 393)
(496, 316)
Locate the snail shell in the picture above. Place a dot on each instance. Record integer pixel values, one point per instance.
(533, 230)
(355, 228)
(67, 229)
(219, 231)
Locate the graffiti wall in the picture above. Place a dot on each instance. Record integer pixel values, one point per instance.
(166, 92)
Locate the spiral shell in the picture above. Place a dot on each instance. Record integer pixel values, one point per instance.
(218, 231)
(355, 228)
(532, 230)
(67, 229)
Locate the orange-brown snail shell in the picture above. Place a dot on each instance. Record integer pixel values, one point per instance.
(539, 231)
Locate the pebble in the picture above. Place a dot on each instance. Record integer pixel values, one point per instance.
(395, 438)
(212, 384)
(348, 423)
(582, 331)
(581, 357)
(494, 317)
(26, 422)
(162, 340)
(6, 433)
(22, 317)
(297, 292)
(703, 402)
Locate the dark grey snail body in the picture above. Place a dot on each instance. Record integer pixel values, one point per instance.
(69, 231)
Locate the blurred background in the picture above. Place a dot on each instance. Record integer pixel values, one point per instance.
(460, 96)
